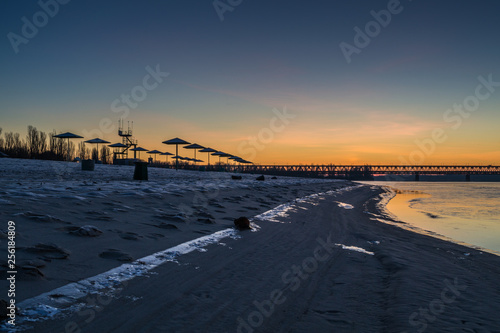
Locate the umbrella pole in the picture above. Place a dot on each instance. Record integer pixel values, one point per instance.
(176, 157)
(68, 149)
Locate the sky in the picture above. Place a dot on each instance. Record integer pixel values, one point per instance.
(275, 82)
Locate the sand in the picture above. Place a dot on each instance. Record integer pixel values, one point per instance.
(312, 263)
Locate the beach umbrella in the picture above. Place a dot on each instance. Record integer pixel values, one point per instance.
(167, 154)
(194, 146)
(68, 136)
(228, 157)
(208, 151)
(220, 154)
(139, 149)
(234, 158)
(177, 157)
(154, 152)
(176, 142)
(117, 145)
(97, 141)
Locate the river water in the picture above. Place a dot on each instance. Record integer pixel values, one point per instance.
(467, 212)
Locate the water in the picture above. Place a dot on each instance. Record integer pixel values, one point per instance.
(466, 212)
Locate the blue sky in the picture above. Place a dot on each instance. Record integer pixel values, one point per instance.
(226, 77)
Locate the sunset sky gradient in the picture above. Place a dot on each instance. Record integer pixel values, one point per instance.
(226, 77)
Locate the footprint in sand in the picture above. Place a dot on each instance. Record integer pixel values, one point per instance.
(39, 217)
(98, 215)
(115, 254)
(170, 217)
(129, 235)
(218, 205)
(168, 226)
(29, 273)
(205, 221)
(204, 215)
(251, 208)
(49, 251)
(155, 236)
(28, 270)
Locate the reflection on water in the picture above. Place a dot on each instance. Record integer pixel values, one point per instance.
(467, 212)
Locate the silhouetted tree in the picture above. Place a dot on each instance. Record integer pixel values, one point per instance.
(106, 155)
(59, 148)
(1, 141)
(34, 142)
(84, 152)
(43, 142)
(94, 154)
(14, 146)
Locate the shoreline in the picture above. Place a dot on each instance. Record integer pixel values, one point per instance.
(316, 263)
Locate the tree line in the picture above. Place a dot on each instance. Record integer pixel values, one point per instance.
(39, 145)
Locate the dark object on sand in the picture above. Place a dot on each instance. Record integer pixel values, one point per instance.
(274, 177)
(242, 223)
(141, 171)
(88, 165)
(2, 154)
(236, 177)
(260, 178)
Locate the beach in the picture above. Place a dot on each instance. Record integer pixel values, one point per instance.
(99, 252)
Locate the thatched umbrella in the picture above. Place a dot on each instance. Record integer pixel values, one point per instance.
(139, 149)
(176, 142)
(97, 141)
(117, 147)
(68, 136)
(167, 154)
(220, 154)
(208, 151)
(194, 146)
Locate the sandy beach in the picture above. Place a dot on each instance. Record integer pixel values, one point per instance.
(98, 252)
